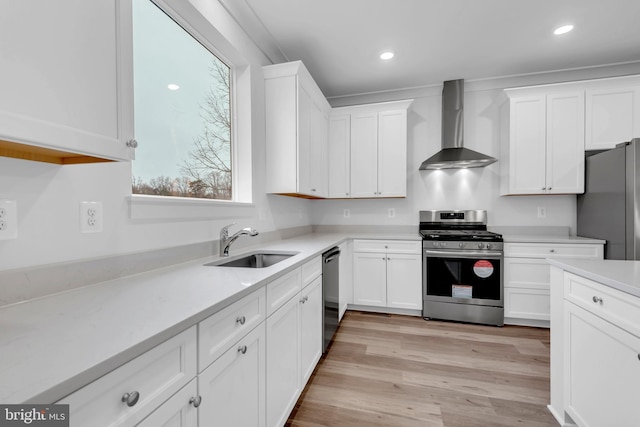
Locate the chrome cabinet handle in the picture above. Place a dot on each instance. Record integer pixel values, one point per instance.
(195, 401)
(597, 299)
(544, 188)
(131, 398)
(242, 349)
(241, 320)
(552, 250)
(304, 299)
(132, 143)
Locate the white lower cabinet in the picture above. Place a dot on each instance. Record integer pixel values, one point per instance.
(244, 366)
(283, 385)
(387, 274)
(603, 371)
(294, 346)
(233, 387)
(527, 279)
(311, 329)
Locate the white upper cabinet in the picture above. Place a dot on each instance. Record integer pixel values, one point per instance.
(375, 138)
(297, 132)
(66, 93)
(613, 113)
(340, 156)
(543, 143)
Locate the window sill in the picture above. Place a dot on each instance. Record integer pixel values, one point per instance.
(142, 207)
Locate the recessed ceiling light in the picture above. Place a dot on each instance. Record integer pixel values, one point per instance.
(386, 55)
(173, 86)
(563, 30)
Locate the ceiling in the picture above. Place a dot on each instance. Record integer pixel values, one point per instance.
(435, 40)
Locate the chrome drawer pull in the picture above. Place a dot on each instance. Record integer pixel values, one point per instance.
(131, 398)
(242, 349)
(196, 401)
(597, 299)
(241, 320)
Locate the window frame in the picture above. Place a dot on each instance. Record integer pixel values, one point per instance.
(204, 32)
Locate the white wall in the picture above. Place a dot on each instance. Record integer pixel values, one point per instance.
(476, 188)
(48, 196)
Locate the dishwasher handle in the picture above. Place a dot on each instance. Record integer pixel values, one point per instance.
(331, 258)
(331, 255)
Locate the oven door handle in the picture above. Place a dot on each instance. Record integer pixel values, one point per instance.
(463, 254)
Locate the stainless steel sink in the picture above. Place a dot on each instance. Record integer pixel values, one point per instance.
(253, 260)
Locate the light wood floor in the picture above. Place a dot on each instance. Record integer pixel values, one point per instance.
(391, 370)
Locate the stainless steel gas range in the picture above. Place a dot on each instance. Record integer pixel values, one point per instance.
(462, 267)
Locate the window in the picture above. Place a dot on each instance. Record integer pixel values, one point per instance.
(182, 106)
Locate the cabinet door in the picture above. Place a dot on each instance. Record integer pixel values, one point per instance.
(611, 116)
(339, 156)
(364, 155)
(565, 143)
(305, 106)
(318, 152)
(345, 293)
(527, 153)
(283, 371)
(602, 370)
(59, 76)
(404, 284)
(311, 307)
(370, 279)
(392, 153)
(177, 411)
(233, 387)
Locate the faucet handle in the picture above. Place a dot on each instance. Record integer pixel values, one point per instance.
(224, 231)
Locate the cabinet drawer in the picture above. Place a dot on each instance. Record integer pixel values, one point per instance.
(617, 307)
(282, 289)
(218, 332)
(391, 246)
(525, 303)
(311, 270)
(530, 273)
(547, 250)
(155, 376)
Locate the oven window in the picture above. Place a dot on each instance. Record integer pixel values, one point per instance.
(463, 278)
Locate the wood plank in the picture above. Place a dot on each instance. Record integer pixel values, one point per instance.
(394, 370)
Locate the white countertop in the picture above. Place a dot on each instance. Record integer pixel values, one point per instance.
(618, 274)
(53, 345)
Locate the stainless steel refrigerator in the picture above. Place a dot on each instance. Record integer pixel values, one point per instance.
(609, 209)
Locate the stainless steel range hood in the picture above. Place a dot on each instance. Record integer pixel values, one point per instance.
(453, 155)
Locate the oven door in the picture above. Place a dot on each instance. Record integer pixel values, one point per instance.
(465, 277)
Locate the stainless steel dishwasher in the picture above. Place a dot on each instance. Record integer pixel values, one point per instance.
(330, 291)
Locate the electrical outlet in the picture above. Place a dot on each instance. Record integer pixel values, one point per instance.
(8, 219)
(542, 212)
(90, 217)
(391, 213)
(347, 213)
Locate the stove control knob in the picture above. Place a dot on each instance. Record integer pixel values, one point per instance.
(461, 244)
(435, 244)
(479, 245)
(488, 246)
(443, 244)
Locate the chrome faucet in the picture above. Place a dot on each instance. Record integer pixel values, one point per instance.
(226, 241)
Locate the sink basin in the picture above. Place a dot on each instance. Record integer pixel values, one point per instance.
(253, 260)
